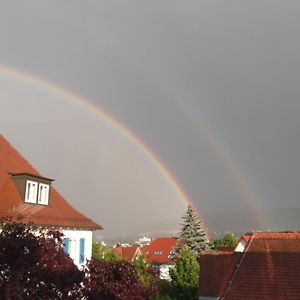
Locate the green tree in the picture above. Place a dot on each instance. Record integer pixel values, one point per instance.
(228, 240)
(192, 235)
(97, 250)
(185, 276)
(145, 272)
(100, 252)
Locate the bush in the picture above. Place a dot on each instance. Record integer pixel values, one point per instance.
(148, 278)
(33, 265)
(166, 289)
(114, 280)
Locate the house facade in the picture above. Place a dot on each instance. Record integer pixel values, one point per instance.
(28, 197)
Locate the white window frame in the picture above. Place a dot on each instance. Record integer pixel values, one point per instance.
(31, 191)
(73, 249)
(43, 194)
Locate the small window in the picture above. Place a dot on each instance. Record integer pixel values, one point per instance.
(72, 248)
(31, 191)
(43, 194)
(81, 250)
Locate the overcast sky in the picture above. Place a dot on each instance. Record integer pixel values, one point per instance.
(212, 87)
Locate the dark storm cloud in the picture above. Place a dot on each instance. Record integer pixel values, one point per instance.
(234, 64)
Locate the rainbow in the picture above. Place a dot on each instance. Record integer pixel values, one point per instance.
(146, 151)
(228, 162)
(216, 146)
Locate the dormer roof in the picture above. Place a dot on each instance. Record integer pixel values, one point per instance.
(59, 213)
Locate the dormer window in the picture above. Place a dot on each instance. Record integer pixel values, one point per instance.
(36, 192)
(34, 189)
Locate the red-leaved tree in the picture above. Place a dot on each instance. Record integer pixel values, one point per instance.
(33, 265)
(114, 281)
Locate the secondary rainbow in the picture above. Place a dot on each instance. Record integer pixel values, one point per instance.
(213, 140)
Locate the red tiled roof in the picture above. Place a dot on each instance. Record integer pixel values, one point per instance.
(159, 250)
(246, 237)
(275, 241)
(269, 268)
(225, 249)
(127, 252)
(58, 213)
(216, 268)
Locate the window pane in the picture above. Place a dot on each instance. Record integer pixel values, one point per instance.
(31, 191)
(43, 196)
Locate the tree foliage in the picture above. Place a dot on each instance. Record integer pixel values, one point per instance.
(114, 281)
(97, 250)
(192, 235)
(33, 265)
(100, 252)
(185, 275)
(229, 240)
(146, 275)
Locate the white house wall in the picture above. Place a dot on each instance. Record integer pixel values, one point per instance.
(76, 235)
(164, 271)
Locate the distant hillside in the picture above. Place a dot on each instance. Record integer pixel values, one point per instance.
(240, 222)
(236, 222)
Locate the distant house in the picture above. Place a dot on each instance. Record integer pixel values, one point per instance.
(160, 254)
(263, 266)
(27, 196)
(128, 253)
(143, 241)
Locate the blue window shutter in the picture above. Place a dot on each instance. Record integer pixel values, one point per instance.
(66, 245)
(81, 249)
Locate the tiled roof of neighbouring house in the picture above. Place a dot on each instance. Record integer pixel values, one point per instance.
(159, 250)
(269, 268)
(127, 252)
(58, 213)
(216, 269)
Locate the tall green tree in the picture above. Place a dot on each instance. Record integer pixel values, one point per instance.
(185, 275)
(192, 234)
